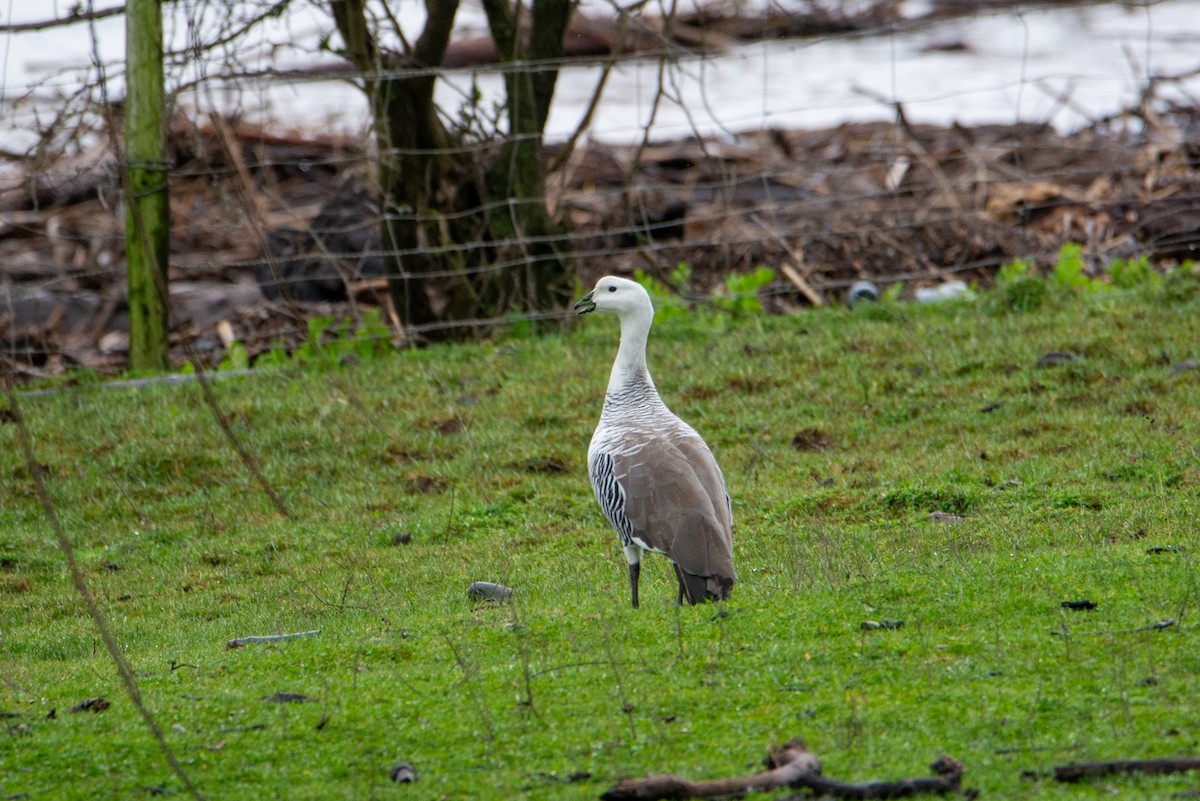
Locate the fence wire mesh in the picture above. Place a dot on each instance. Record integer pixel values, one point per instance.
(703, 138)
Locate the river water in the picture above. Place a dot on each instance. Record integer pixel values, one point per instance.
(1066, 66)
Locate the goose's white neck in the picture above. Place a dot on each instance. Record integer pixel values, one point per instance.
(630, 366)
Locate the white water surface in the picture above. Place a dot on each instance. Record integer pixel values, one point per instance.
(1064, 66)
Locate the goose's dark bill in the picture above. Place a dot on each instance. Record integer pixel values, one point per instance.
(586, 305)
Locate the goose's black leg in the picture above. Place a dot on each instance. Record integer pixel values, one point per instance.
(635, 571)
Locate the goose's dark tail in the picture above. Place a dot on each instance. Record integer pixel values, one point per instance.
(697, 589)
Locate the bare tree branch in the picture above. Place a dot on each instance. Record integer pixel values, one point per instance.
(276, 9)
(78, 15)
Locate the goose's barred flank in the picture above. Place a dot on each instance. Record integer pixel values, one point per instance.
(655, 479)
(610, 495)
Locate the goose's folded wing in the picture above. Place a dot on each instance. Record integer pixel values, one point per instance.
(675, 500)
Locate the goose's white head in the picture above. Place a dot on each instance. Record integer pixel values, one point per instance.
(618, 295)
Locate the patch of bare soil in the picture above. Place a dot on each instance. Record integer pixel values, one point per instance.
(270, 230)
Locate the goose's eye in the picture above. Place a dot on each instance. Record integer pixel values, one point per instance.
(612, 289)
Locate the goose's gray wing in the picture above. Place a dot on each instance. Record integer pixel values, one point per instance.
(666, 490)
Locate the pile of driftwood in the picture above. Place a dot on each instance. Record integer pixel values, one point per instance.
(887, 201)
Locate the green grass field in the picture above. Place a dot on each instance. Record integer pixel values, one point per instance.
(839, 432)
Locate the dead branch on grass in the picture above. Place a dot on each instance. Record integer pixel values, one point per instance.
(210, 399)
(791, 766)
(788, 767)
(949, 776)
(240, 641)
(37, 474)
(1075, 771)
(248, 459)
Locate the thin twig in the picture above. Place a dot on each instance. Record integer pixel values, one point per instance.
(1075, 771)
(248, 459)
(617, 673)
(160, 281)
(594, 102)
(341, 604)
(519, 631)
(240, 641)
(917, 149)
(124, 669)
(252, 203)
(77, 15)
(1065, 631)
(568, 665)
(450, 515)
(470, 672)
(790, 272)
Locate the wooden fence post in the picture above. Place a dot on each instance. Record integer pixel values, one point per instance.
(147, 207)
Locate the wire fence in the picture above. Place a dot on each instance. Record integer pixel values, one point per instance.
(695, 142)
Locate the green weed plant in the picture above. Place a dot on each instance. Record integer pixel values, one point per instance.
(1022, 289)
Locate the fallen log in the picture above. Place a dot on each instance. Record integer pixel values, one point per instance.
(793, 765)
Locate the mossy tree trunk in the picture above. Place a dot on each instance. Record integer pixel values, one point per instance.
(525, 227)
(413, 164)
(147, 203)
(425, 180)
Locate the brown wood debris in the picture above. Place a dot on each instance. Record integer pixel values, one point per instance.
(1077, 771)
(791, 766)
(824, 208)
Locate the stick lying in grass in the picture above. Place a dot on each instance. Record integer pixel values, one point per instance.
(124, 669)
(240, 641)
(792, 766)
(787, 767)
(1075, 771)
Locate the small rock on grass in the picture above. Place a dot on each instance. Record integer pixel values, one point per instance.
(403, 773)
(286, 698)
(1183, 367)
(874, 625)
(862, 292)
(91, 705)
(1055, 358)
(487, 591)
(1083, 605)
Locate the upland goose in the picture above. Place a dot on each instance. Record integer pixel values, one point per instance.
(656, 480)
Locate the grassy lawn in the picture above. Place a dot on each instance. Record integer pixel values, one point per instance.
(409, 475)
